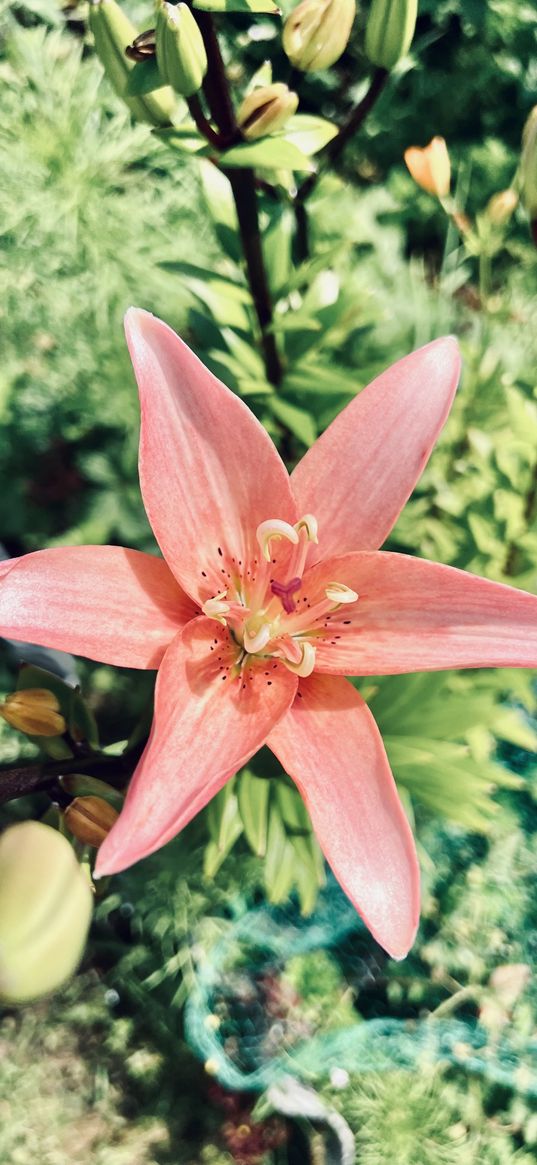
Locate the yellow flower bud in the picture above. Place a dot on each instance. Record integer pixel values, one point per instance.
(389, 32)
(528, 170)
(501, 206)
(317, 32)
(45, 911)
(90, 819)
(34, 711)
(113, 34)
(430, 167)
(266, 110)
(181, 55)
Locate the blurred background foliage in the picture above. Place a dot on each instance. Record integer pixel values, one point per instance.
(96, 214)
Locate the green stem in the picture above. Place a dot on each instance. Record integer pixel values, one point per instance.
(22, 780)
(331, 153)
(243, 185)
(204, 126)
(485, 278)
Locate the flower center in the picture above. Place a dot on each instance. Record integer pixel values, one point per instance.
(262, 604)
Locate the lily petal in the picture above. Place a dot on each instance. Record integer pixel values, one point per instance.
(117, 606)
(414, 615)
(361, 471)
(206, 725)
(209, 472)
(331, 747)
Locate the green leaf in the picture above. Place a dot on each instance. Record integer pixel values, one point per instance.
(184, 138)
(308, 132)
(253, 797)
(144, 78)
(80, 785)
(277, 243)
(319, 378)
(236, 6)
(299, 422)
(222, 813)
(226, 301)
(225, 826)
(280, 861)
(272, 153)
(245, 354)
(221, 206)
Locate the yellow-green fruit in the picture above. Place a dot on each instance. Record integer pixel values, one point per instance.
(181, 55)
(113, 32)
(266, 110)
(35, 711)
(45, 911)
(389, 32)
(317, 32)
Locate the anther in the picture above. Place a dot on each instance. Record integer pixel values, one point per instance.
(339, 593)
(310, 525)
(258, 640)
(216, 608)
(274, 528)
(307, 662)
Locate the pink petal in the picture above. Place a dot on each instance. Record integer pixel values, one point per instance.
(331, 747)
(208, 470)
(114, 605)
(359, 474)
(207, 724)
(414, 615)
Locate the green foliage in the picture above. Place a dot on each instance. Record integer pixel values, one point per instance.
(86, 214)
(97, 213)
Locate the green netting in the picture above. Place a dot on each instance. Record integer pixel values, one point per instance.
(227, 1025)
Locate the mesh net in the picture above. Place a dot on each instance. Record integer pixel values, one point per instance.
(245, 1021)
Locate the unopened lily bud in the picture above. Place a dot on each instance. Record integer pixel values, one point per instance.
(45, 911)
(181, 55)
(389, 32)
(113, 34)
(317, 32)
(528, 170)
(266, 110)
(501, 206)
(430, 167)
(90, 819)
(34, 711)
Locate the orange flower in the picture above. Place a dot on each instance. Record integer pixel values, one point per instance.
(430, 167)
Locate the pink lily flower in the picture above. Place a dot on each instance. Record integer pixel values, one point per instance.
(271, 590)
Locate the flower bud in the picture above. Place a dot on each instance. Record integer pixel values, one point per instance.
(90, 819)
(528, 170)
(430, 167)
(113, 34)
(317, 32)
(45, 911)
(34, 711)
(265, 110)
(181, 55)
(501, 206)
(389, 31)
